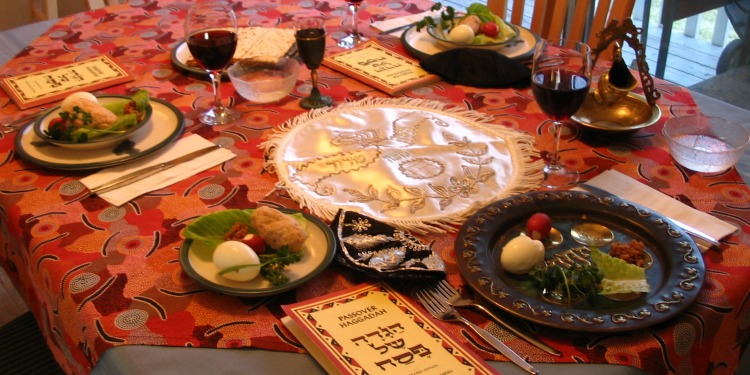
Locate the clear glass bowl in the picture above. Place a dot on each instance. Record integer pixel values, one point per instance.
(705, 144)
(264, 79)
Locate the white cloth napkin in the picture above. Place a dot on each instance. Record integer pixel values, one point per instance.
(162, 179)
(393, 23)
(683, 215)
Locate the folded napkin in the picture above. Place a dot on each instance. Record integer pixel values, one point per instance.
(162, 179)
(478, 68)
(393, 23)
(683, 215)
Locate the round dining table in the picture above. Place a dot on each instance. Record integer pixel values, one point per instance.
(110, 294)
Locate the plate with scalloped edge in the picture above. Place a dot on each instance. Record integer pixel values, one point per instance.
(196, 259)
(675, 277)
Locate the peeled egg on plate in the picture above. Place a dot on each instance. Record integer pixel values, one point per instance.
(235, 253)
(461, 34)
(521, 254)
(74, 97)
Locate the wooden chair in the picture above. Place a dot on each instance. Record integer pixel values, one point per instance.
(96, 4)
(551, 19)
(42, 10)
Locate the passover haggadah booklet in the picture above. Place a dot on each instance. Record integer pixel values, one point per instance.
(49, 85)
(381, 68)
(372, 329)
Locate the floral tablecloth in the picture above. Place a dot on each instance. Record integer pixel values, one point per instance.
(98, 276)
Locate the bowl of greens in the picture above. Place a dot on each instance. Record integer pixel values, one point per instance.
(477, 28)
(87, 122)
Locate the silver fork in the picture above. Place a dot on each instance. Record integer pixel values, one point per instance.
(440, 310)
(453, 297)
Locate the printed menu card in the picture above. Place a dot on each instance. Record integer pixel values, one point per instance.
(372, 329)
(381, 68)
(49, 85)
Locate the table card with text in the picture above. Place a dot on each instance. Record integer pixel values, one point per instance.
(49, 85)
(381, 68)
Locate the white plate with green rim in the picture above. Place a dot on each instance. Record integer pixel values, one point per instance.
(164, 127)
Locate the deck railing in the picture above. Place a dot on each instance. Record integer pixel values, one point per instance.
(710, 26)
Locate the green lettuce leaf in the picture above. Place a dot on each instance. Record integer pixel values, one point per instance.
(484, 14)
(619, 275)
(211, 228)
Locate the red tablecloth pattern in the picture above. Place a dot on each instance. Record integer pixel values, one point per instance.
(97, 276)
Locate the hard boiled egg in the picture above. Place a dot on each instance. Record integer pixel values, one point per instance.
(461, 34)
(521, 254)
(76, 96)
(233, 254)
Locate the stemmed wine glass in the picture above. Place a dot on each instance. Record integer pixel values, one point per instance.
(211, 37)
(560, 80)
(355, 37)
(310, 34)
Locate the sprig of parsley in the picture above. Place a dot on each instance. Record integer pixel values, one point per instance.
(570, 283)
(447, 18)
(273, 264)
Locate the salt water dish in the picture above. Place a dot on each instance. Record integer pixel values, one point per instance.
(264, 79)
(704, 143)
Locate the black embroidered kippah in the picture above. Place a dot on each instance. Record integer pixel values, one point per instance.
(478, 68)
(382, 251)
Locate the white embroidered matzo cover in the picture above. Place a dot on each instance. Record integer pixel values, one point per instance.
(416, 164)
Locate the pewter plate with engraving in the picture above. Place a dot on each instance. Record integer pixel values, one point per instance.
(675, 278)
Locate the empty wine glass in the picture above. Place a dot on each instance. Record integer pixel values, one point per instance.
(560, 81)
(211, 37)
(310, 34)
(355, 37)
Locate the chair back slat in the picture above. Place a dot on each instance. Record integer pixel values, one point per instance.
(550, 18)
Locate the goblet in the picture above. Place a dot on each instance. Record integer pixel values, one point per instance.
(211, 37)
(355, 37)
(310, 34)
(560, 80)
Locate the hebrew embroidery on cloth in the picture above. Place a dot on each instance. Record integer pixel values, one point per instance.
(412, 163)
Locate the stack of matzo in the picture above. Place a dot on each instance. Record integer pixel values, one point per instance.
(260, 41)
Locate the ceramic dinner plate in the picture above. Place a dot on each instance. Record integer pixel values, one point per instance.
(675, 277)
(320, 247)
(163, 128)
(421, 45)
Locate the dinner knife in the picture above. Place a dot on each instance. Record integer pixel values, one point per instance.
(26, 119)
(699, 237)
(150, 171)
(399, 28)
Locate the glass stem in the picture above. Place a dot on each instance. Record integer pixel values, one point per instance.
(216, 82)
(355, 20)
(554, 159)
(314, 93)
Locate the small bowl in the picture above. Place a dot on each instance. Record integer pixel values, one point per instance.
(439, 35)
(264, 79)
(105, 141)
(705, 144)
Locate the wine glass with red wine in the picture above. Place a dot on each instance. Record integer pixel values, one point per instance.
(560, 80)
(310, 34)
(211, 37)
(354, 37)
